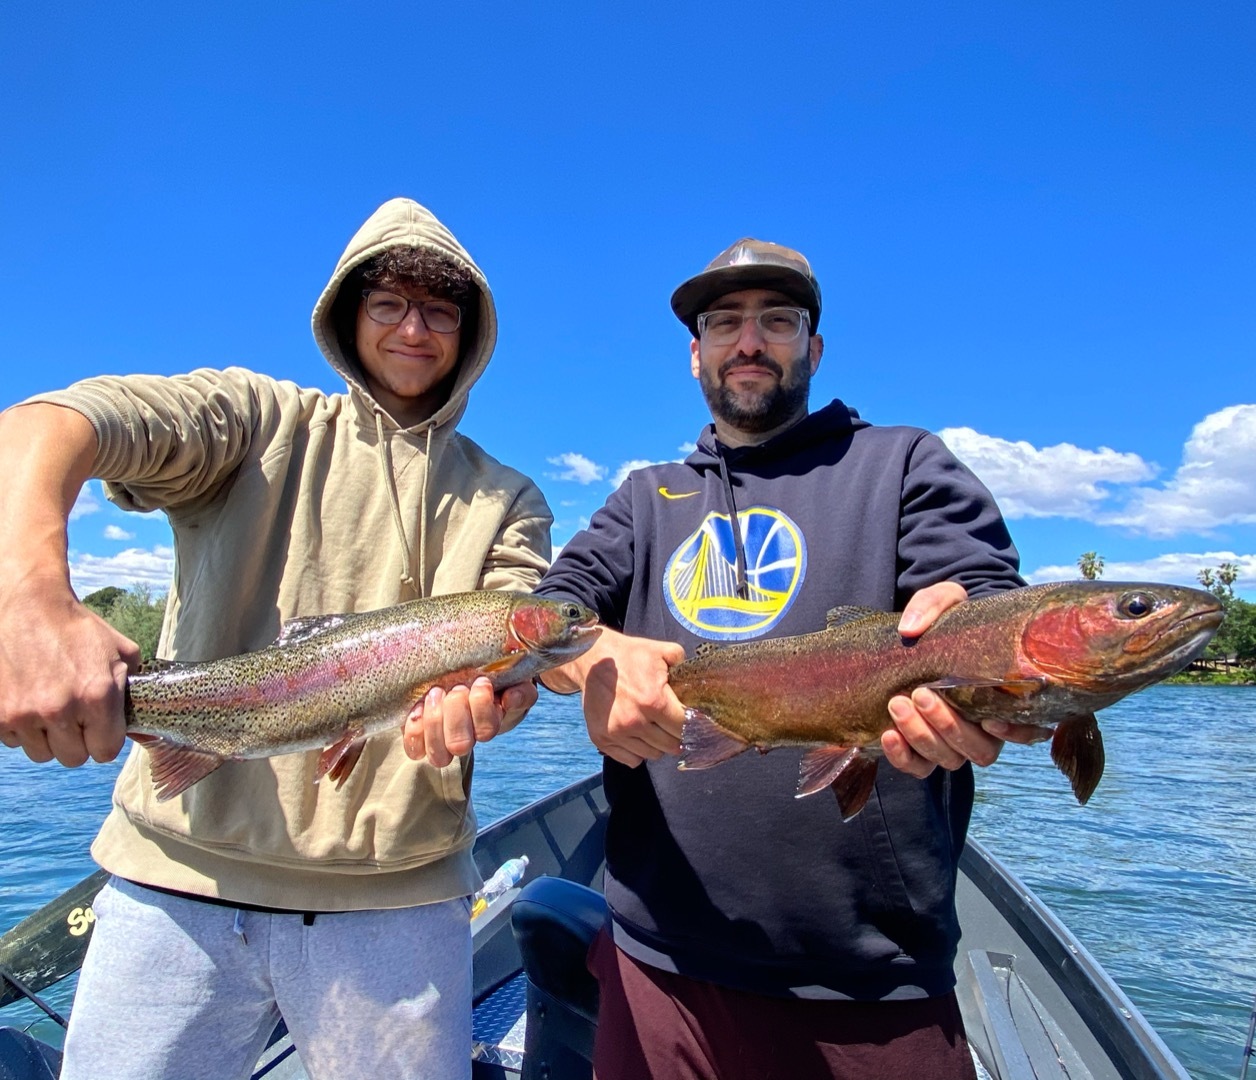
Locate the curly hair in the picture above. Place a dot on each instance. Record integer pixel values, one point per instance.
(406, 268)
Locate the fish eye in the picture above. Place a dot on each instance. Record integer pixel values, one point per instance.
(1136, 605)
(571, 611)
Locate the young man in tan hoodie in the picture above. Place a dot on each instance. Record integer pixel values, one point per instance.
(258, 894)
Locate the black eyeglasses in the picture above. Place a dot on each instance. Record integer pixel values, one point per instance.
(439, 316)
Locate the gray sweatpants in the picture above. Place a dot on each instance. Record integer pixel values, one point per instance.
(173, 989)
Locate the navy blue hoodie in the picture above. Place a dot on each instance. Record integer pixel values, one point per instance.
(721, 874)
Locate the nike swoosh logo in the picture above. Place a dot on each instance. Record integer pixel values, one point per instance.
(682, 495)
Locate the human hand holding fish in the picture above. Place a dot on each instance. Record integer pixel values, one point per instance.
(63, 672)
(927, 732)
(630, 709)
(63, 668)
(447, 724)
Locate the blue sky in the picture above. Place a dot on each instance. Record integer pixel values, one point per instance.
(1034, 225)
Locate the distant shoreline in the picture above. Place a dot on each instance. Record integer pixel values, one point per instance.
(1237, 677)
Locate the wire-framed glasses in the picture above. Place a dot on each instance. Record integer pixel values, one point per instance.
(439, 316)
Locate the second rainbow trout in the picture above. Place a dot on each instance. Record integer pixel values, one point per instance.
(1044, 655)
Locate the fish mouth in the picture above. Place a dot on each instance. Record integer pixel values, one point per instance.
(1199, 629)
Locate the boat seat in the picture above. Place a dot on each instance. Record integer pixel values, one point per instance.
(555, 922)
(23, 1057)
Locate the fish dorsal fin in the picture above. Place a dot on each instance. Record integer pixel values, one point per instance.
(840, 616)
(157, 664)
(707, 648)
(295, 631)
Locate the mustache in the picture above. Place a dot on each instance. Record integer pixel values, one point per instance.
(759, 360)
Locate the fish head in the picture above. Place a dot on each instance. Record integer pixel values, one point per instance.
(558, 630)
(1112, 637)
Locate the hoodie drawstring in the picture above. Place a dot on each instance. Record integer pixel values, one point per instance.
(427, 475)
(390, 484)
(743, 585)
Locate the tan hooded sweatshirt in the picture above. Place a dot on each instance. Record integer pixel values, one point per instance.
(290, 502)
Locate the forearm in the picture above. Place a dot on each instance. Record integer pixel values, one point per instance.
(46, 454)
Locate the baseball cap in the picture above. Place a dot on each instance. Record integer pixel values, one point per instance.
(749, 264)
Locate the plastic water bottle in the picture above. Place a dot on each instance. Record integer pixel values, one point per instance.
(506, 876)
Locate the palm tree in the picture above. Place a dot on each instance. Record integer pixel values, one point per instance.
(1091, 565)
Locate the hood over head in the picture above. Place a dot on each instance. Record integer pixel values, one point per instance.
(404, 223)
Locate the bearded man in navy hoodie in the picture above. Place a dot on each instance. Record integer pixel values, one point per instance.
(753, 934)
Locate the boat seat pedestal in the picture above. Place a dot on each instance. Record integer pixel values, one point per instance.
(555, 922)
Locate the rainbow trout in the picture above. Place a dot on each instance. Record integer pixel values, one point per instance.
(1045, 655)
(329, 682)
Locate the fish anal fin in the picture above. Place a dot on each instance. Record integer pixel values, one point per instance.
(704, 743)
(988, 699)
(174, 769)
(850, 772)
(337, 761)
(1077, 750)
(840, 616)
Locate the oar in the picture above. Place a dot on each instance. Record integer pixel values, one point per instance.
(30, 995)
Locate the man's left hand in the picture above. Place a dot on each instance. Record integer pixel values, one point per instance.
(448, 723)
(927, 732)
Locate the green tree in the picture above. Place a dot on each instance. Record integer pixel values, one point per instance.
(1091, 565)
(1237, 634)
(139, 615)
(102, 600)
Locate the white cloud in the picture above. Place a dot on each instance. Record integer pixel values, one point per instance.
(116, 532)
(1215, 484)
(86, 503)
(1178, 568)
(135, 566)
(577, 467)
(1052, 481)
(687, 448)
(621, 474)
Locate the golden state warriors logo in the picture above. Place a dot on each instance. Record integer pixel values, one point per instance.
(701, 580)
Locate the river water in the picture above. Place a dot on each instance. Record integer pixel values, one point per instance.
(1156, 876)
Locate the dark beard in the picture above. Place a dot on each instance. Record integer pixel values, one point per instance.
(757, 413)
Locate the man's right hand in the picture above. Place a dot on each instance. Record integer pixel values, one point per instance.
(63, 668)
(63, 673)
(631, 712)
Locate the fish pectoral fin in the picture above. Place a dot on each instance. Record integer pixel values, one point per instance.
(504, 663)
(850, 771)
(337, 761)
(987, 699)
(1077, 750)
(704, 743)
(175, 768)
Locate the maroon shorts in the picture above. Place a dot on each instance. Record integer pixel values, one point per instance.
(656, 1025)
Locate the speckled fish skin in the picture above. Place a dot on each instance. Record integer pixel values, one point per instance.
(1045, 655)
(332, 681)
